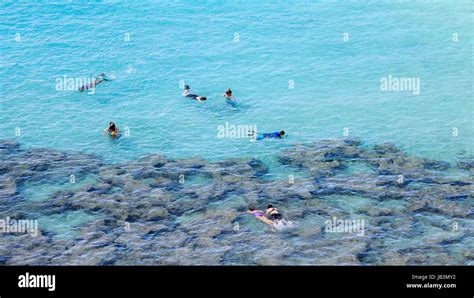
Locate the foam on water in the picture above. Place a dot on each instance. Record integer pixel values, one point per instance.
(283, 224)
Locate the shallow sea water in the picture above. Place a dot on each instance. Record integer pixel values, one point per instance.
(290, 68)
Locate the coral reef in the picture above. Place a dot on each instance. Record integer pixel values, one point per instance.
(163, 211)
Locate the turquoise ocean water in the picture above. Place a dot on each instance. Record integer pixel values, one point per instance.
(255, 48)
(310, 68)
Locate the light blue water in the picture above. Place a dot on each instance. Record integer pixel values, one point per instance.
(336, 83)
(63, 225)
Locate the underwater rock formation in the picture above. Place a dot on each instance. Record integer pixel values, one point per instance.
(164, 211)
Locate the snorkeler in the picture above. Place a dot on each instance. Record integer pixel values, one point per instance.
(270, 135)
(97, 80)
(187, 93)
(113, 130)
(273, 213)
(228, 94)
(260, 215)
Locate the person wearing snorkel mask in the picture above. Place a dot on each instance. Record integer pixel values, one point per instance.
(188, 94)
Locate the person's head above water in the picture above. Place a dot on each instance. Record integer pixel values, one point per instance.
(228, 92)
(269, 206)
(201, 98)
(282, 133)
(186, 87)
(111, 129)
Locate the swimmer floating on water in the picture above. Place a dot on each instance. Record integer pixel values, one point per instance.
(270, 135)
(187, 93)
(113, 131)
(273, 213)
(272, 216)
(97, 80)
(260, 215)
(228, 94)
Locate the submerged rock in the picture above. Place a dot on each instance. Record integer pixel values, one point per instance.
(467, 164)
(388, 159)
(322, 158)
(8, 147)
(46, 165)
(7, 186)
(158, 210)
